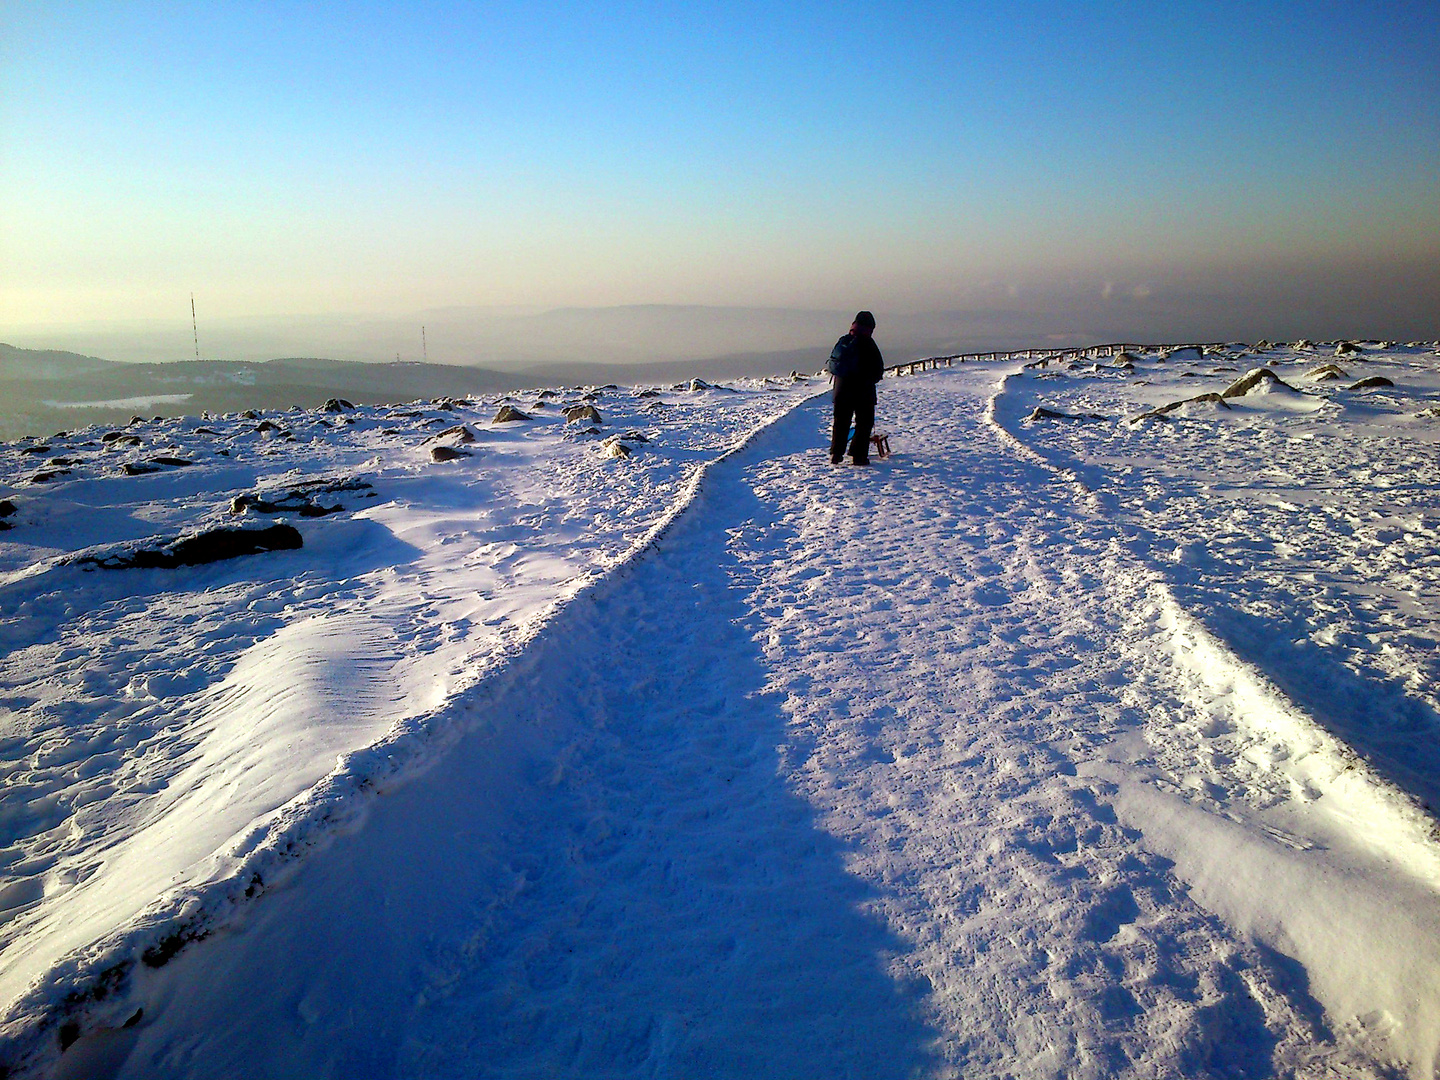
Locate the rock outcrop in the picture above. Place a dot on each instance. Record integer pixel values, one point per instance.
(209, 546)
(1256, 377)
(575, 414)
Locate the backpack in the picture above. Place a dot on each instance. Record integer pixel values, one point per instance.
(844, 359)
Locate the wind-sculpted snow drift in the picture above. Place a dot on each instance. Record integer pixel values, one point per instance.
(318, 679)
(1252, 601)
(1040, 748)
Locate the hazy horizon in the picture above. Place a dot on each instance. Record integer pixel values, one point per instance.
(326, 183)
(1389, 306)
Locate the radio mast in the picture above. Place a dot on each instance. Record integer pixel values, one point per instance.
(424, 349)
(194, 326)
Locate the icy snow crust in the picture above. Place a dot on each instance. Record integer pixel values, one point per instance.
(1048, 746)
(171, 739)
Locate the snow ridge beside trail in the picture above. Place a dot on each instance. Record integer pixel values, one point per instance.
(89, 989)
(846, 777)
(1283, 740)
(1275, 823)
(1299, 526)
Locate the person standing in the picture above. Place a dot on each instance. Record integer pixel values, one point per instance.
(855, 366)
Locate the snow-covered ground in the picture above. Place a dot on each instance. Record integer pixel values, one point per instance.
(1052, 745)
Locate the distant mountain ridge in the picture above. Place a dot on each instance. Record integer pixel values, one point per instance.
(43, 390)
(47, 390)
(17, 363)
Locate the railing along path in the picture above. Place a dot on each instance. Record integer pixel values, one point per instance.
(1039, 357)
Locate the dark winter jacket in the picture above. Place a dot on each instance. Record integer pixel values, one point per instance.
(870, 368)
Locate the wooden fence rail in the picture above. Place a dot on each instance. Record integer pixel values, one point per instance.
(1038, 357)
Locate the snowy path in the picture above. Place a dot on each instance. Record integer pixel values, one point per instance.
(170, 737)
(885, 773)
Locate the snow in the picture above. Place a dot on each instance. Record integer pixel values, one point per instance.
(1058, 743)
(162, 735)
(146, 401)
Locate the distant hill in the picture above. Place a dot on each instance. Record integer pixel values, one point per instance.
(46, 363)
(43, 391)
(736, 366)
(46, 390)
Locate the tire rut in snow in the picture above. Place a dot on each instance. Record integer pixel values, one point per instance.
(797, 794)
(941, 633)
(1275, 823)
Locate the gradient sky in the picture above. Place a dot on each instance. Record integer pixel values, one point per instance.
(284, 158)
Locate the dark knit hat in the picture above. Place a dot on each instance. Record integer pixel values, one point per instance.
(864, 318)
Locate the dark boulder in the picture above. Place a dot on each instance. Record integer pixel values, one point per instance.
(577, 413)
(1262, 378)
(298, 499)
(1374, 382)
(213, 545)
(1163, 412)
(460, 433)
(1042, 413)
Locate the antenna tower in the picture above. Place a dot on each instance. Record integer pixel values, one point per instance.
(194, 326)
(424, 349)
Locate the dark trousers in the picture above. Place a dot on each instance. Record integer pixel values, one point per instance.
(857, 402)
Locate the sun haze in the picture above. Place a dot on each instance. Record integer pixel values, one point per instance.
(1029, 171)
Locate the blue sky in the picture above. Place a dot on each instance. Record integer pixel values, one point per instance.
(306, 158)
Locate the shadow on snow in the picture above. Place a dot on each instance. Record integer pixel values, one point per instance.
(609, 877)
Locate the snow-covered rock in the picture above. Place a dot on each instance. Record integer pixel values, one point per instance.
(1262, 379)
(577, 414)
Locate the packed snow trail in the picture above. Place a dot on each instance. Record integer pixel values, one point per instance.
(171, 738)
(848, 777)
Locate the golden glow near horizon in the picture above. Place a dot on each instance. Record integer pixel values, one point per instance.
(281, 162)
